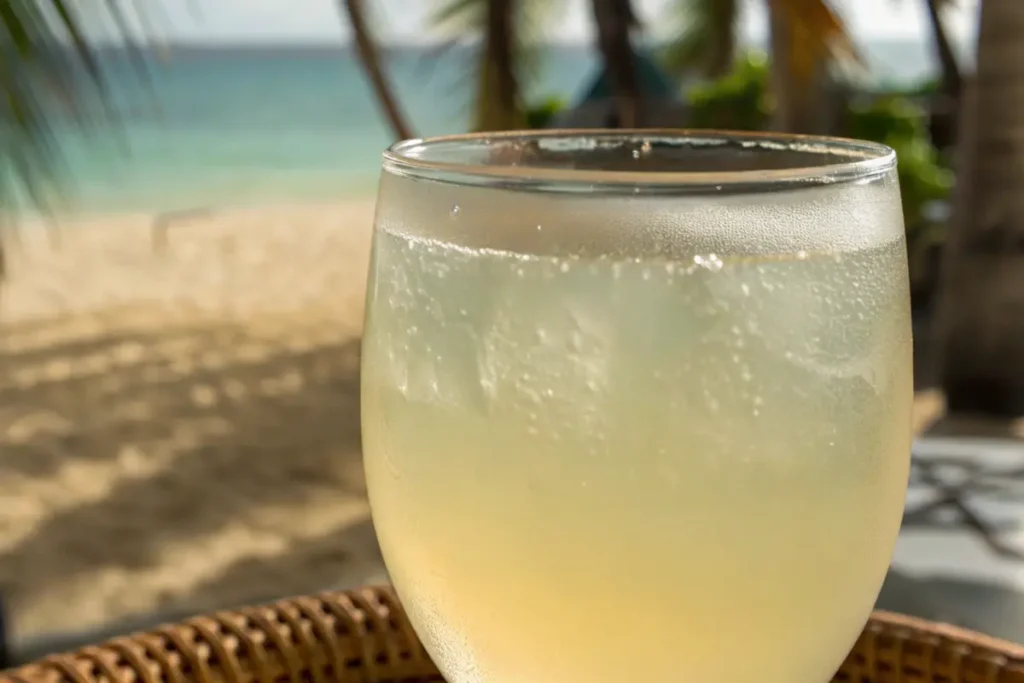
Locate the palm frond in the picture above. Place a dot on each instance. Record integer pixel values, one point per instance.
(51, 77)
(816, 33)
(40, 85)
(704, 34)
(122, 24)
(536, 19)
(460, 16)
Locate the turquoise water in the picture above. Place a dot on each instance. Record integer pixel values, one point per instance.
(237, 126)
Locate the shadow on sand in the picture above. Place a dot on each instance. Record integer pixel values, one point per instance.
(143, 449)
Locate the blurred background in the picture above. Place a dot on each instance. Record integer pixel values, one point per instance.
(185, 212)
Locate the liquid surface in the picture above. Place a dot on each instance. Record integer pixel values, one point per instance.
(605, 470)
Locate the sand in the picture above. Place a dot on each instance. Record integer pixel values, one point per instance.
(179, 414)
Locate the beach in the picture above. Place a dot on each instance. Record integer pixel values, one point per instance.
(179, 413)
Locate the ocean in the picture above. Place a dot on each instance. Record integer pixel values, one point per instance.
(237, 126)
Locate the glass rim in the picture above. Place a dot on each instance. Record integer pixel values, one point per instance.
(864, 161)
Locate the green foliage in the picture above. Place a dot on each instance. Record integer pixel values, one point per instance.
(897, 122)
(739, 101)
(540, 114)
(931, 86)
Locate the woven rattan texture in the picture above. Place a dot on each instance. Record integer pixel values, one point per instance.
(364, 636)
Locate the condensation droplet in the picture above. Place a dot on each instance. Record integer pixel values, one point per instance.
(564, 267)
(455, 211)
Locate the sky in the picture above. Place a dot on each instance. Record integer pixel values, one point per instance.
(317, 21)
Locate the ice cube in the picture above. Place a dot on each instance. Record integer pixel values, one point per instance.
(546, 353)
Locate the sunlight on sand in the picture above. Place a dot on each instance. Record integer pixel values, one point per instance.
(179, 417)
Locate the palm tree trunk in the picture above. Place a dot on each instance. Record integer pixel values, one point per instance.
(723, 39)
(943, 121)
(981, 314)
(499, 106)
(371, 64)
(798, 97)
(614, 20)
(501, 48)
(951, 79)
(782, 81)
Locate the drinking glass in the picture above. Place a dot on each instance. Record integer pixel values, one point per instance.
(636, 405)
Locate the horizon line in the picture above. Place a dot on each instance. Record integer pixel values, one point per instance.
(159, 43)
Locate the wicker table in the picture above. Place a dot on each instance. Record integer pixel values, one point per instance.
(364, 636)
